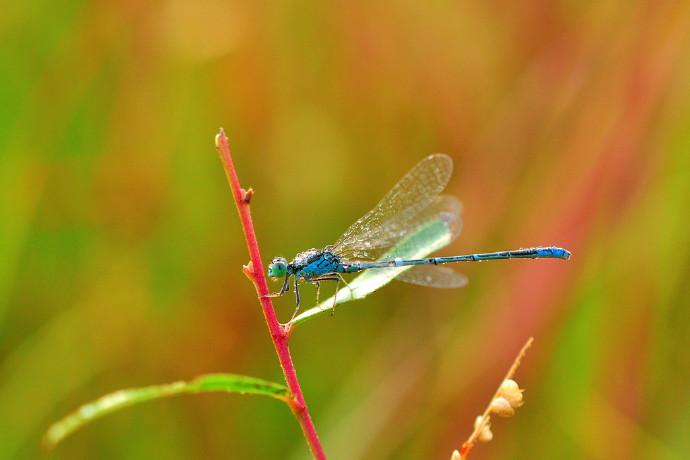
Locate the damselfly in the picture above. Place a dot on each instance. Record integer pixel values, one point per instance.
(412, 219)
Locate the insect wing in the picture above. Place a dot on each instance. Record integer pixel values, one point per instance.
(433, 276)
(432, 229)
(398, 212)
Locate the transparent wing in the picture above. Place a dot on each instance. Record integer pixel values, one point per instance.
(424, 239)
(438, 221)
(434, 276)
(398, 212)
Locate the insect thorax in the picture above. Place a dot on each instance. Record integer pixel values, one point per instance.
(314, 263)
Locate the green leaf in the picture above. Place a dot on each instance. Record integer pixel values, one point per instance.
(123, 398)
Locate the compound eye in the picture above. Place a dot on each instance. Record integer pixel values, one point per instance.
(278, 268)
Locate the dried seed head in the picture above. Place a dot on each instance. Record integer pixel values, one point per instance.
(509, 385)
(485, 435)
(477, 421)
(510, 391)
(502, 407)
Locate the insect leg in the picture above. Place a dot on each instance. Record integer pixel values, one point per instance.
(343, 280)
(286, 287)
(296, 295)
(296, 292)
(336, 278)
(335, 296)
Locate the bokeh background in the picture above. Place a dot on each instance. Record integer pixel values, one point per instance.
(121, 250)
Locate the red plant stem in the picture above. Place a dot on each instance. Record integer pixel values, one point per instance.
(279, 335)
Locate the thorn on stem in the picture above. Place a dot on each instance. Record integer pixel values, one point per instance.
(248, 270)
(246, 195)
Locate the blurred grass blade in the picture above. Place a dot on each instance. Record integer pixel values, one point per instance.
(430, 238)
(123, 398)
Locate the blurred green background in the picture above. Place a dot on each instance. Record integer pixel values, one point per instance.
(121, 250)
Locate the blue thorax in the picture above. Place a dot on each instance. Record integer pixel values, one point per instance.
(314, 263)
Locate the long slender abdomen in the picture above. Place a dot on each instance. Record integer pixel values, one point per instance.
(529, 253)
